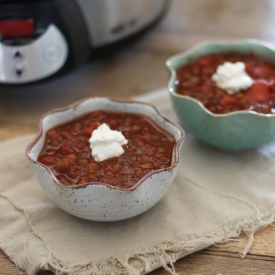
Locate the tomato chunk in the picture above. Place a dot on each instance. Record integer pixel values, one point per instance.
(258, 92)
(228, 101)
(48, 160)
(91, 128)
(263, 71)
(204, 61)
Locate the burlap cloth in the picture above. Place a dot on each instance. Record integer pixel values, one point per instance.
(215, 196)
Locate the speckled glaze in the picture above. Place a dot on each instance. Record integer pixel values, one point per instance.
(100, 202)
(233, 131)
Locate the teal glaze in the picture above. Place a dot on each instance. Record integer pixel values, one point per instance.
(234, 131)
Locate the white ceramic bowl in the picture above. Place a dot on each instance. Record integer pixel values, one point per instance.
(100, 202)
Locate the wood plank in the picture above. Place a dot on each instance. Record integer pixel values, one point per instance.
(203, 263)
(12, 131)
(263, 244)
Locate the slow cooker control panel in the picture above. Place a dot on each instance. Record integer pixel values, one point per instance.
(41, 57)
(32, 44)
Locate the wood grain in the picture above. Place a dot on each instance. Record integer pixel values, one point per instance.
(137, 68)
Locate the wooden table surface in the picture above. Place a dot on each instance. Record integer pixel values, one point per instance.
(137, 68)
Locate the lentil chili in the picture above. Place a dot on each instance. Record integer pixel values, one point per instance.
(194, 80)
(67, 150)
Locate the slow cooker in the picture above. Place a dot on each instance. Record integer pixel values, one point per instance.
(40, 38)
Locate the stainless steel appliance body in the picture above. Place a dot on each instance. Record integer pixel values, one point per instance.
(40, 38)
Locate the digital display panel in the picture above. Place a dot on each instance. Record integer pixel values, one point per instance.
(16, 28)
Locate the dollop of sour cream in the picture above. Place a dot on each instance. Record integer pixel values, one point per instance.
(106, 143)
(232, 77)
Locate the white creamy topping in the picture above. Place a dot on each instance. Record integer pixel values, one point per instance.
(232, 77)
(106, 143)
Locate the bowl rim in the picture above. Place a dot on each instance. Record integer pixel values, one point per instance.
(72, 106)
(172, 69)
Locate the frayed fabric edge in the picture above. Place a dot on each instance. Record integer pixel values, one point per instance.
(165, 254)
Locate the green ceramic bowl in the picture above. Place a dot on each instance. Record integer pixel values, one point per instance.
(234, 131)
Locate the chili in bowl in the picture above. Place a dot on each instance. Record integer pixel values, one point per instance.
(105, 160)
(223, 92)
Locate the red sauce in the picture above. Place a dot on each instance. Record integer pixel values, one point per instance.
(67, 150)
(194, 80)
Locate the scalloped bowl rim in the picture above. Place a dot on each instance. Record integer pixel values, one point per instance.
(72, 106)
(172, 70)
